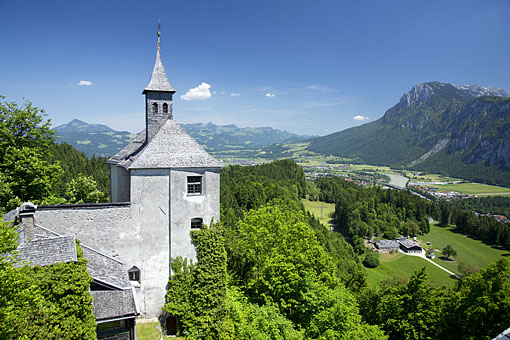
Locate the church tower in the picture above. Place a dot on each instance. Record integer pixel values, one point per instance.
(158, 97)
(172, 185)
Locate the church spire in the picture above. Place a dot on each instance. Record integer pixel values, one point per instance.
(159, 80)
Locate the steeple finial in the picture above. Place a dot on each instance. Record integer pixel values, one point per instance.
(159, 80)
(159, 30)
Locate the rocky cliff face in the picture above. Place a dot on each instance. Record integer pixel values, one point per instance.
(482, 131)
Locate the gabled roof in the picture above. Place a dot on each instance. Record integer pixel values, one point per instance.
(171, 147)
(105, 269)
(48, 251)
(159, 80)
(113, 304)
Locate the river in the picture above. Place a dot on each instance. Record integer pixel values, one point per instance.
(398, 180)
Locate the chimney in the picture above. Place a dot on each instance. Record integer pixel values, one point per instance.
(26, 215)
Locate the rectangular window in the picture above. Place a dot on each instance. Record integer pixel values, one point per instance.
(194, 185)
(196, 223)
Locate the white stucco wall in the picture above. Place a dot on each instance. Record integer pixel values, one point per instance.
(150, 215)
(185, 207)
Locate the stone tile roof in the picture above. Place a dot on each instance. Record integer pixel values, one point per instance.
(105, 269)
(408, 243)
(171, 147)
(109, 304)
(159, 80)
(386, 244)
(48, 251)
(129, 152)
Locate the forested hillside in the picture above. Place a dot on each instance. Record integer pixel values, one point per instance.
(34, 168)
(268, 270)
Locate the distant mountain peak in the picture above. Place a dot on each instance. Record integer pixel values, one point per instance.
(478, 91)
(420, 93)
(77, 125)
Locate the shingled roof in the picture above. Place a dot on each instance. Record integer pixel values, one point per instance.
(171, 147)
(159, 80)
(109, 304)
(105, 269)
(48, 251)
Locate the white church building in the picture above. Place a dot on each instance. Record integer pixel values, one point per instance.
(163, 185)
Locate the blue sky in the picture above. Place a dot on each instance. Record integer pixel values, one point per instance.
(309, 67)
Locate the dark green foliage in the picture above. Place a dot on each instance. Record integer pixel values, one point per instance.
(51, 302)
(25, 138)
(371, 260)
(496, 205)
(404, 310)
(74, 163)
(448, 251)
(286, 272)
(479, 307)
(363, 212)
(197, 292)
(252, 321)
(486, 228)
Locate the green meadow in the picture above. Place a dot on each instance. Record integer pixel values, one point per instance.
(473, 188)
(403, 266)
(469, 251)
(324, 211)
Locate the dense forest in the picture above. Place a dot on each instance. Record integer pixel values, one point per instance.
(496, 205)
(368, 212)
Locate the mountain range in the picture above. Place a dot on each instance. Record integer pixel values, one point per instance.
(438, 127)
(101, 140)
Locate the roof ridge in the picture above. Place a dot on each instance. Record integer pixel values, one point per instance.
(100, 253)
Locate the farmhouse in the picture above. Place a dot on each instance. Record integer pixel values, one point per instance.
(409, 246)
(386, 245)
(163, 185)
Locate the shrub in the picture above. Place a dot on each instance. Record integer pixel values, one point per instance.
(371, 260)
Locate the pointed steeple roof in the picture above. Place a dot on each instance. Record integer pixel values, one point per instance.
(159, 80)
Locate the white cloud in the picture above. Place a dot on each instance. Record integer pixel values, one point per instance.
(359, 117)
(271, 95)
(200, 92)
(235, 94)
(84, 83)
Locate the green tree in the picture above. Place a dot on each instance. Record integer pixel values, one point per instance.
(449, 251)
(51, 302)
(405, 310)
(25, 137)
(479, 307)
(371, 260)
(83, 189)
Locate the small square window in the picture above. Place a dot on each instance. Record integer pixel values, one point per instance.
(194, 185)
(196, 223)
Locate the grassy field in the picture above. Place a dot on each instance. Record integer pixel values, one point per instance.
(403, 266)
(473, 188)
(151, 331)
(468, 250)
(324, 211)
